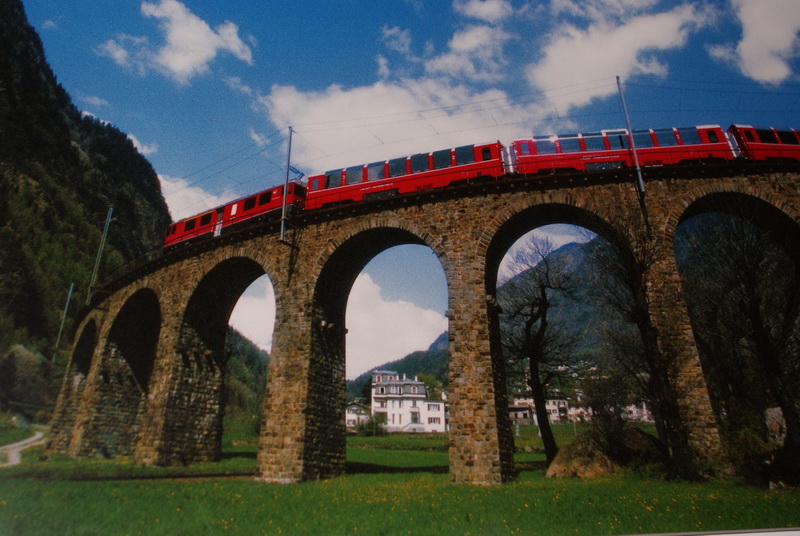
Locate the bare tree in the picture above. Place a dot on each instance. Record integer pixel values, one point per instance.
(744, 296)
(528, 336)
(622, 269)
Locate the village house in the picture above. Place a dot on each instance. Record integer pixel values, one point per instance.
(355, 413)
(406, 405)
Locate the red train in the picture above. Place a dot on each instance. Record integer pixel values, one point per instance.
(607, 149)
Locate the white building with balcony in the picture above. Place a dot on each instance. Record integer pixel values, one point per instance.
(406, 404)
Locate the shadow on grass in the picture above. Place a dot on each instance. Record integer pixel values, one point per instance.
(234, 455)
(353, 468)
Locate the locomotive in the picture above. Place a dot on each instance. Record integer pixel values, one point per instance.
(607, 149)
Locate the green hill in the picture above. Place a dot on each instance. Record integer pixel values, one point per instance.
(60, 172)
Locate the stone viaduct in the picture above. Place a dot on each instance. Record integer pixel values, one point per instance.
(146, 372)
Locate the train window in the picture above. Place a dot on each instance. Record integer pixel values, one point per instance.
(249, 203)
(264, 198)
(617, 139)
(354, 174)
(441, 159)
(666, 137)
(465, 155)
(641, 138)
(374, 171)
(397, 167)
(333, 179)
(787, 137)
(689, 136)
(205, 219)
(189, 225)
(524, 148)
(712, 136)
(545, 146)
(570, 145)
(299, 189)
(486, 154)
(594, 142)
(766, 136)
(419, 162)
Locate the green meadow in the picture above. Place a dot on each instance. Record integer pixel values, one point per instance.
(392, 485)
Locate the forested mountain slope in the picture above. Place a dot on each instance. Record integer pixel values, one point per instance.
(60, 172)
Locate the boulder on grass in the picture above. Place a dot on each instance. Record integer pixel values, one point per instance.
(583, 458)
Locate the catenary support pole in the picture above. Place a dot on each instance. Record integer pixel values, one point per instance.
(99, 256)
(286, 186)
(63, 320)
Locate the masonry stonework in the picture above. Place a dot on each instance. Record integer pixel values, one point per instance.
(163, 404)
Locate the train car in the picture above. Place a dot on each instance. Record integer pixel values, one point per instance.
(757, 143)
(193, 227)
(261, 203)
(609, 149)
(213, 222)
(422, 171)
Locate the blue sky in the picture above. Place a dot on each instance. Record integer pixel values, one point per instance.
(207, 90)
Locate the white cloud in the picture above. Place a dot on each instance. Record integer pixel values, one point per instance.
(380, 331)
(127, 51)
(397, 39)
(600, 10)
(185, 200)
(93, 100)
(476, 54)
(604, 49)
(492, 11)
(143, 148)
(254, 314)
(339, 127)
(558, 235)
(769, 40)
(191, 44)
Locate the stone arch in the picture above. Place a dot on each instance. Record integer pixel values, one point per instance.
(134, 335)
(515, 220)
(72, 388)
(718, 195)
(414, 234)
(205, 319)
(196, 387)
(121, 378)
(779, 221)
(85, 348)
(770, 214)
(336, 270)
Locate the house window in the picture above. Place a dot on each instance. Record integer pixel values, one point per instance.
(434, 420)
(415, 418)
(433, 407)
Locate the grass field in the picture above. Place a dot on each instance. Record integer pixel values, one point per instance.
(393, 485)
